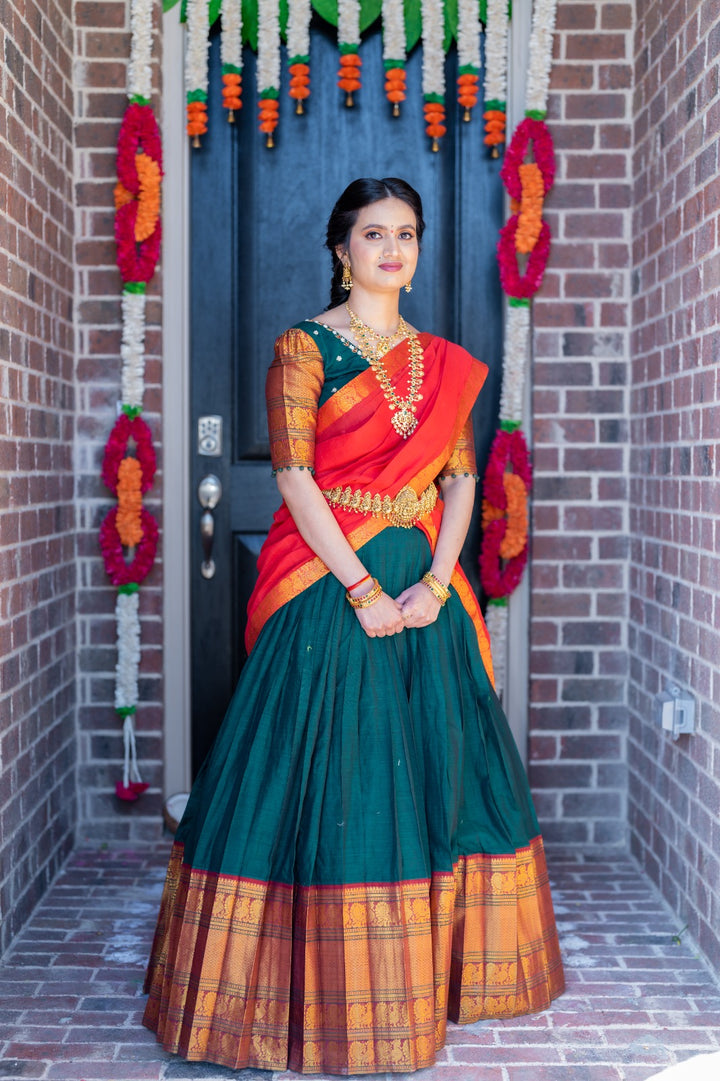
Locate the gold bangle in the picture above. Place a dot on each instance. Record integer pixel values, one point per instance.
(438, 589)
(368, 598)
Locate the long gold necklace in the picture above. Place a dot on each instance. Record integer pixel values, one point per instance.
(374, 346)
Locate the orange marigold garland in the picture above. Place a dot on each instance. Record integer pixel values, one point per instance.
(298, 51)
(468, 45)
(299, 81)
(348, 38)
(395, 85)
(433, 70)
(394, 52)
(129, 496)
(196, 67)
(349, 74)
(268, 68)
(231, 56)
(495, 89)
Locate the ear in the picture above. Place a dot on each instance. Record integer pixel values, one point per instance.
(341, 253)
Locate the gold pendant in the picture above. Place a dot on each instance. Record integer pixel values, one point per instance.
(404, 422)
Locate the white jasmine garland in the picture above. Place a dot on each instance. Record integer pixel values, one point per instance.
(496, 619)
(433, 31)
(517, 341)
(348, 29)
(231, 33)
(196, 53)
(496, 35)
(128, 642)
(139, 82)
(268, 55)
(298, 28)
(132, 349)
(130, 765)
(393, 19)
(468, 37)
(540, 62)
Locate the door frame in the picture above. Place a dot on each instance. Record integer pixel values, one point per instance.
(179, 505)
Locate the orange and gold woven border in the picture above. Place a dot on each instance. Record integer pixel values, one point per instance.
(348, 979)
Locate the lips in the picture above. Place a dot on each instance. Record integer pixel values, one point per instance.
(391, 266)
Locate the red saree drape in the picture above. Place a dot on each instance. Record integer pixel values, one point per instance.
(356, 444)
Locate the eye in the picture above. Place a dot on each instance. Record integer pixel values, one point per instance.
(372, 234)
(406, 235)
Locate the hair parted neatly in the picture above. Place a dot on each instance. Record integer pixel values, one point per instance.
(357, 195)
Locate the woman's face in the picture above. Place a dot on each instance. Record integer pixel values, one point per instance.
(383, 246)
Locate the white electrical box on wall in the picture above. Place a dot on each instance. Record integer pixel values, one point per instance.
(675, 710)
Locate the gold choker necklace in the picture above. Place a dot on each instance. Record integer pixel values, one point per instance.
(374, 346)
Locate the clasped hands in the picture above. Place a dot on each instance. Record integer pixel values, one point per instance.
(414, 607)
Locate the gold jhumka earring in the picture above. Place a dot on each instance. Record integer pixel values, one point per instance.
(346, 278)
(408, 286)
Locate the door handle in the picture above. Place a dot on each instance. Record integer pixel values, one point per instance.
(209, 493)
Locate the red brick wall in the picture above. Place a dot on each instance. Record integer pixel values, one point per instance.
(102, 45)
(37, 549)
(578, 662)
(674, 629)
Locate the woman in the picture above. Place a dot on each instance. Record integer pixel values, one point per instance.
(359, 859)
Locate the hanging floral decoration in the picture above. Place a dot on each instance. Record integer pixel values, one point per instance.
(129, 533)
(495, 90)
(505, 513)
(523, 250)
(468, 44)
(348, 33)
(438, 23)
(268, 67)
(196, 67)
(394, 52)
(137, 194)
(298, 51)
(231, 56)
(433, 70)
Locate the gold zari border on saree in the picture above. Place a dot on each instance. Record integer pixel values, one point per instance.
(348, 979)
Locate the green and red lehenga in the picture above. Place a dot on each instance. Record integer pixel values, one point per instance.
(360, 859)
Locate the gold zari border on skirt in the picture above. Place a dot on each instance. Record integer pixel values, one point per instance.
(348, 979)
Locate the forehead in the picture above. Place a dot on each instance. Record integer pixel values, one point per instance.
(391, 213)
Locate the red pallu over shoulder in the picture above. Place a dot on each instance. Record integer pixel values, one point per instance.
(357, 445)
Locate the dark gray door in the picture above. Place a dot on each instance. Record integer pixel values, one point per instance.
(259, 265)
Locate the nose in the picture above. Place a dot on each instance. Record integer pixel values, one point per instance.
(391, 244)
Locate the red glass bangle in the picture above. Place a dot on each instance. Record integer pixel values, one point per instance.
(350, 588)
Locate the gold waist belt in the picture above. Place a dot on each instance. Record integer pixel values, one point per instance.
(404, 510)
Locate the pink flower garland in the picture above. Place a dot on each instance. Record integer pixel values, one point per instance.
(513, 282)
(517, 285)
(508, 449)
(497, 581)
(116, 449)
(118, 571)
(543, 152)
(139, 129)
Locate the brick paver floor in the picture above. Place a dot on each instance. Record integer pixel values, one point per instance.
(638, 997)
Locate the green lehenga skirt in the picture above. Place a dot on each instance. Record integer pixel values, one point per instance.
(359, 860)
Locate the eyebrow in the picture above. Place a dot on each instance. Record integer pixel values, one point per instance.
(376, 225)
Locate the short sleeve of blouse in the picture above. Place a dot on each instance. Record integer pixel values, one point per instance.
(462, 459)
(292, 389)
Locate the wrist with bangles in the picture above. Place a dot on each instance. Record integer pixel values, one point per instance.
(372, 595)
(438, 589)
